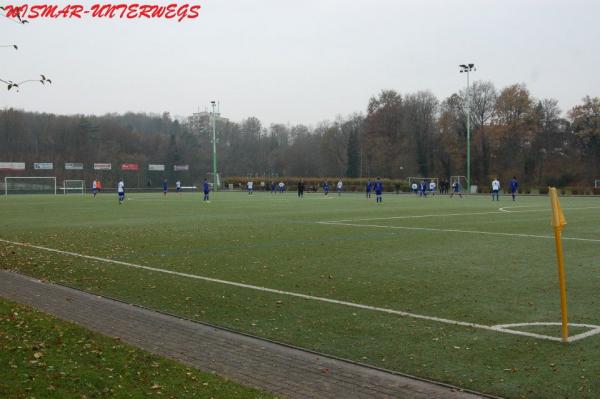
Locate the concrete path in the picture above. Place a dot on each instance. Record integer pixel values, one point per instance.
(284, 371)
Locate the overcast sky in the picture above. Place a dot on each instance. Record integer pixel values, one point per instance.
(302, 61)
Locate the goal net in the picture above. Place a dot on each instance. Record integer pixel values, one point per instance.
(461, 180)
(597, 183)
(73, 187)
(29, 185)
(211, 180)
(427, 180)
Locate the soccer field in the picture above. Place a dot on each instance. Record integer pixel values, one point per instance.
(425, 286)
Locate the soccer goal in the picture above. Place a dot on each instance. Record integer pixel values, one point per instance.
(427, 180)
(211, 180)
(73, 187)
(29, 185)
(462, 181)
(597, 183)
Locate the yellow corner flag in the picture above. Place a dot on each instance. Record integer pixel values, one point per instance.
(558, 222)
(558, 217)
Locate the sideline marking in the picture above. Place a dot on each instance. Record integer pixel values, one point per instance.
(504, 209)
(497, 328)
(499, 211)
(413, 217)
(491, 233)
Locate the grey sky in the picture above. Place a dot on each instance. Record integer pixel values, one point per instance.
(302, 61)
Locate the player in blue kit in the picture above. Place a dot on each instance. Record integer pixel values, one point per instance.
(423, 189)
(456, 189)
(165, 187)
(326, 187)
(514, 186)
(379, 190)
(368, 188)
(206, 189)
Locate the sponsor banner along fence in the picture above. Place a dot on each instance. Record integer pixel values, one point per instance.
(181, 168)
(156, 168)
(43, 166)
(12, 165)
(102, 166)
(130, 166)
(73, 166)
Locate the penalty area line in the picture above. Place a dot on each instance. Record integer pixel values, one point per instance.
(497, 328)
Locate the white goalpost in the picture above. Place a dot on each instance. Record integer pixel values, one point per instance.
(73, 187)
(597, 183)
(29, 185)
(211, 180)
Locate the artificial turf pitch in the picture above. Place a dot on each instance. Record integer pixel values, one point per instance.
(463, 260)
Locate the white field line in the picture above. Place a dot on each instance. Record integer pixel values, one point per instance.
(594, 329)
(499, 211)
(303, 296)
(412, 217)
(505, 209)
(492, 233)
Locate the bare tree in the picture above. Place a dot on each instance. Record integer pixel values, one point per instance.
(11, 84)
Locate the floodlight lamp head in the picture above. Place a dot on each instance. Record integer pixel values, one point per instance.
(462, 66)
(471, 65)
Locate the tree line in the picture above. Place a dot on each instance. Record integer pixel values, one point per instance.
(399, 135)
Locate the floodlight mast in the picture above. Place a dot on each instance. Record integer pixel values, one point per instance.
(468, 68)
(214, 143)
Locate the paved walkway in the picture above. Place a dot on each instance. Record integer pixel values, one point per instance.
(284, 371)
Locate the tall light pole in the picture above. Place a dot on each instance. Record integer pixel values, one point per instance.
(468, 68)
(214, 142)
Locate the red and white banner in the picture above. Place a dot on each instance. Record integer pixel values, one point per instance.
(156, 168)
(102, 166)
(43, 166)
(12, 165)
(181, 168)
(130, 166)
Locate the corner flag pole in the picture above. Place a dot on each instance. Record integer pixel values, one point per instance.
(558, 222)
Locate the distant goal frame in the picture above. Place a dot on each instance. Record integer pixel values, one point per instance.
(66, 189)
(463, 187)
(6, 179)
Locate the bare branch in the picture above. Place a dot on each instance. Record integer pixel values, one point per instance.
(17, 85)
